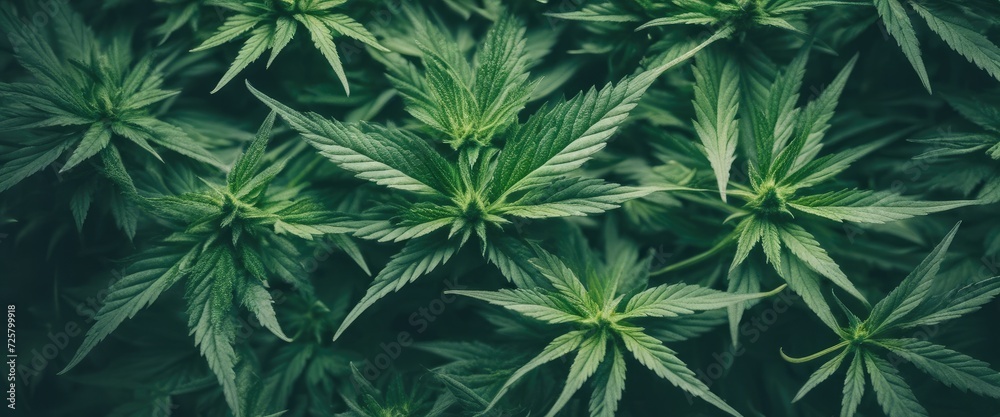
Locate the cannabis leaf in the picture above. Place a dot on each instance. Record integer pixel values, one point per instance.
(740, 14)
(955, 151)
(957, 26)
(603, 301)
(177, 14)
(229, 241)
(308, 360)
(485, 186)
(716, 102)
(910, 305)
(366, 400)
(272, 25)
(784, 166)
(88, 99)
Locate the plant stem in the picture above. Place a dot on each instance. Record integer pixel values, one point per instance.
(814, 355)
(724, 243)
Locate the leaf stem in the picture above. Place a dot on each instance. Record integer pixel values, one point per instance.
(724, 243)
(814, 355)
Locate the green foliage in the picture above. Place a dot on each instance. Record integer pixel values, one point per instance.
(228, 241)
(908, 306)
(956, 25)
(743, 14)
(484, 187)
(602, 307)
(783, 143)
(271, 24)
(597, 208)
(959, 148)
(85, 91)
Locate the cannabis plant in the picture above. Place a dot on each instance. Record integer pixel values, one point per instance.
(479, 187)
(737, 14)
(785, 175)
(605, 208)
(394, 400)
(983, 110)
(272, 24)
(83, 91)
(603, 308)
(956, 24)
(229, 240)
(877, 343)
(723, 18)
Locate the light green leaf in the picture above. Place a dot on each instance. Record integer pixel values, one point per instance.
(600, 12)
(556, 349)
(530, 303)
(572, 197)
(664, 362)
(962, 36)
(864, 206)
(681, 299)
(386, 231)
(914, 289)
(323, 40)
(513, 258)
(387, 156)
(418, 257)
(349, 27)
(854, 386)
(248, 162)
(209, 294)
(154, 271)
(233, 27)
(256, 299)
(821, 374)
(803, 245)
(94, 139)
(609, 384)
(956, 303)
(588, 358)
(23, 162)
(893, 393)
(807, 283)
(771, 241)
(774, 128)
(750, 230)
(175, 139)
(716, 104)
(284, 31)
(260, 39)
(744, 279)
(560, 277)
(948, 366)
(897, 23)
(560, 138)
(810, 126)
(346, 244)
(821, 169)
(501, 84)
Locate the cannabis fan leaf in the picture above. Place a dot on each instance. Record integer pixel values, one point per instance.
(230, 240)
(88, 98)
(273, 23)
(603, 301)
(883, 333)
(958, 149)
(784, 169)
(955, 24)
(485, 186)
(740, 14)
(584, 210)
